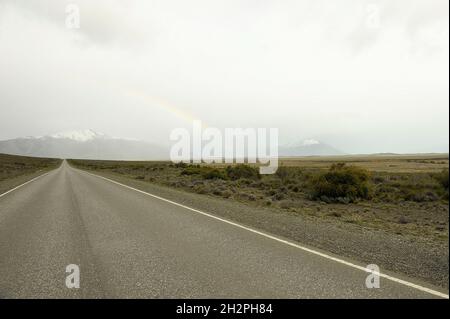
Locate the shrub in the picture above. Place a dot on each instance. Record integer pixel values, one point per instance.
(242, 171)
(200, 189)
(180, 165)
(379, 179)
(282, 172)
(278, 196)
(244, 182)
(205, 172)
(341, 182)
(191, 170)
(442, 178)
(213, 174)
(420, 196)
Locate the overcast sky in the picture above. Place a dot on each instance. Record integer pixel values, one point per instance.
(363, 76)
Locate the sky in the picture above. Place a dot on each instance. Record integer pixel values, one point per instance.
(362, 76)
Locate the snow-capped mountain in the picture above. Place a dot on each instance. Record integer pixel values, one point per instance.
(86, 144)
(308, 147)
(80, 136)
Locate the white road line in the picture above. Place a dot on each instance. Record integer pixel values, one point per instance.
(312, 251)
(31, 180)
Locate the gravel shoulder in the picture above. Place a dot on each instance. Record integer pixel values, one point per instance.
(416, 258)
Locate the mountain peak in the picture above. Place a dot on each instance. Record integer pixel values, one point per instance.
(79, 135)
(302, 143)
(308, 147)
(310, 142)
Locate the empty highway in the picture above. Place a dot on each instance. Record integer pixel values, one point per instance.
(128, 244)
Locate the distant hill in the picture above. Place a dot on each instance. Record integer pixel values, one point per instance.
(309, 147)
(83, 144)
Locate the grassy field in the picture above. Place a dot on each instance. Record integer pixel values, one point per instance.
(15, 169)
(382, 163)
(405, 195)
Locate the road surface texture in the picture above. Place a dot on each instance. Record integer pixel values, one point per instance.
(132, 245)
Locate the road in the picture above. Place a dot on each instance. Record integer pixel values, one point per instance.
(131, 245)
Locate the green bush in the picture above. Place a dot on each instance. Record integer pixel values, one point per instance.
(341, 183)
(442, 178)
(282, 172)
(242, 171)
(180, 165)
(192, 170)
(204, 172)
(213, 174)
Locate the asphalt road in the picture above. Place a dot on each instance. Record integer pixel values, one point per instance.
(131, 245)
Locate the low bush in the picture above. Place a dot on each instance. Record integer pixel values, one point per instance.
(442, 178)
(242, 171)
(205, 172)
(341, 183)
(192, 170)
(213, 174)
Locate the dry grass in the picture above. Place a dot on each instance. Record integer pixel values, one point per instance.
(424, 163)
(12, 166)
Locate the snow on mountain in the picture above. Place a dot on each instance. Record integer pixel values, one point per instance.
(80, 136)
(310, 142)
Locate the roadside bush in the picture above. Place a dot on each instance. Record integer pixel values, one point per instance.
(420, 196)
(341, 183)
(278, 196)
(213, 174)
(282, 172)
(180, 165)
(200, 189)
(442, 178)
(242, 171)
(204, 172)
(290, 175)
(378, 179)
(191, 170)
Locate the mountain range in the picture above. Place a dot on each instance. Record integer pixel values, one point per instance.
(85, 144)
(89, 144)
(308, 147)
